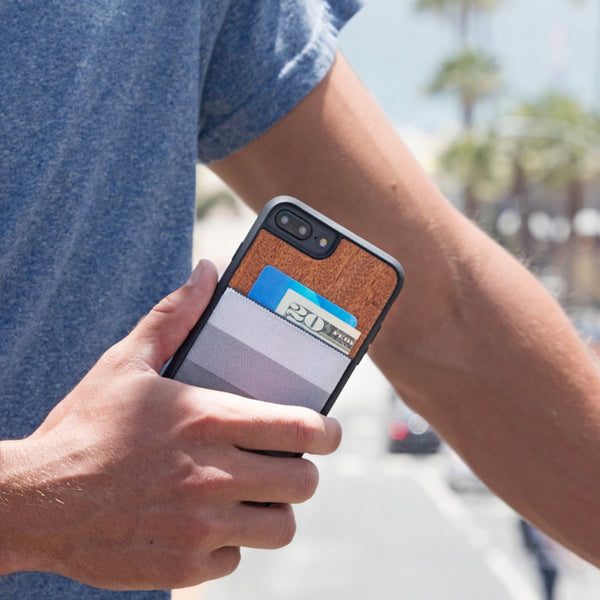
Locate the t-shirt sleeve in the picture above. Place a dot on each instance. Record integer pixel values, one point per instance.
(268, 55)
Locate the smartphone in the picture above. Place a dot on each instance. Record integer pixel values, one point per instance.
(294, 312)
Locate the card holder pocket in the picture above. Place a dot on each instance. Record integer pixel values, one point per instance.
(246, 349)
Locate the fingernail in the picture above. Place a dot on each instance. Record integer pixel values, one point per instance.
(196, 273)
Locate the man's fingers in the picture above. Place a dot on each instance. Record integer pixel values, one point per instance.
(296, 432)
(245, 526)
(159, 334)
(265, 527)
(258, 478)
(256, 425)
(292, 429)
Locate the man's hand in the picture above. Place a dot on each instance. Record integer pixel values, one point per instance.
(139, 482)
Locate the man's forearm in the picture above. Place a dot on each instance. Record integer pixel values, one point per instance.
(474, 343)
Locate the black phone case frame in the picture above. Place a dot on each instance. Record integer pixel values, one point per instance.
(265, 220)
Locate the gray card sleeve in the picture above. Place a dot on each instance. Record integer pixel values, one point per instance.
(246, 349)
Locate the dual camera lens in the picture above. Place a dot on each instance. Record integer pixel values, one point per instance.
(294, 225)
(314, 237)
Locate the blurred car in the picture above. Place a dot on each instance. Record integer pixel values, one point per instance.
(409, 432)
(460, 477)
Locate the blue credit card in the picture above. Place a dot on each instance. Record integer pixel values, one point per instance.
(271, 285)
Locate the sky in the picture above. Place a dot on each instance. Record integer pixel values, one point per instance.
(540, 45)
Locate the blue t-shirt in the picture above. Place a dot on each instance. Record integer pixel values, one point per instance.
(105, 107)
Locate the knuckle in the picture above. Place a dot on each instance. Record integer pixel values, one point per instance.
(113, 358)
(198, 566)
(287, 531)
(183, 572)
(335, 435)
(203, 532)
(207, 483)
(166, 305)
(311, 480)
(315, 433)
(195, 533)
(304, 433)
(307, 481)
(228, 559)
(121, 360)
(207, 425)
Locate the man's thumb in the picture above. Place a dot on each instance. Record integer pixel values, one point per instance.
(158, 335)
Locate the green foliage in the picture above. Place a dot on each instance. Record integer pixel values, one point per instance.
(205, 204)
(551, 142)
(558, 140)
(470, 75)
(476, 161)
(446, 7)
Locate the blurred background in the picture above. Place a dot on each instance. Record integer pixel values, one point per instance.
(500, 102)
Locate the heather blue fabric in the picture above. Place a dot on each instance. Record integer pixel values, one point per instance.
(105, 105)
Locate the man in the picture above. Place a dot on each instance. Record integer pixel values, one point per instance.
(134, 482)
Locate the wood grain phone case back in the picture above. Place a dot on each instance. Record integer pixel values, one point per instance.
(247, 349)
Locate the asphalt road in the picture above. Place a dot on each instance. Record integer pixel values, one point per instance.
(388, 526)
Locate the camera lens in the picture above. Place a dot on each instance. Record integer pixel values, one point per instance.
(294, 225)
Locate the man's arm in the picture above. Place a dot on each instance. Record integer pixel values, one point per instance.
(474, 343)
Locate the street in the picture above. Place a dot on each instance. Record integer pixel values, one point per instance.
(383, 525)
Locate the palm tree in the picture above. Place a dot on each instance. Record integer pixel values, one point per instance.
(473, 159)
(562, 145)
(558, 146)
(471, 76)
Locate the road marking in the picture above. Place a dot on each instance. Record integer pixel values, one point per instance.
(499, 563)
(480, 538)
(515, 583)
(446, 501)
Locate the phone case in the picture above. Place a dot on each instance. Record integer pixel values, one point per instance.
(294, 312)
